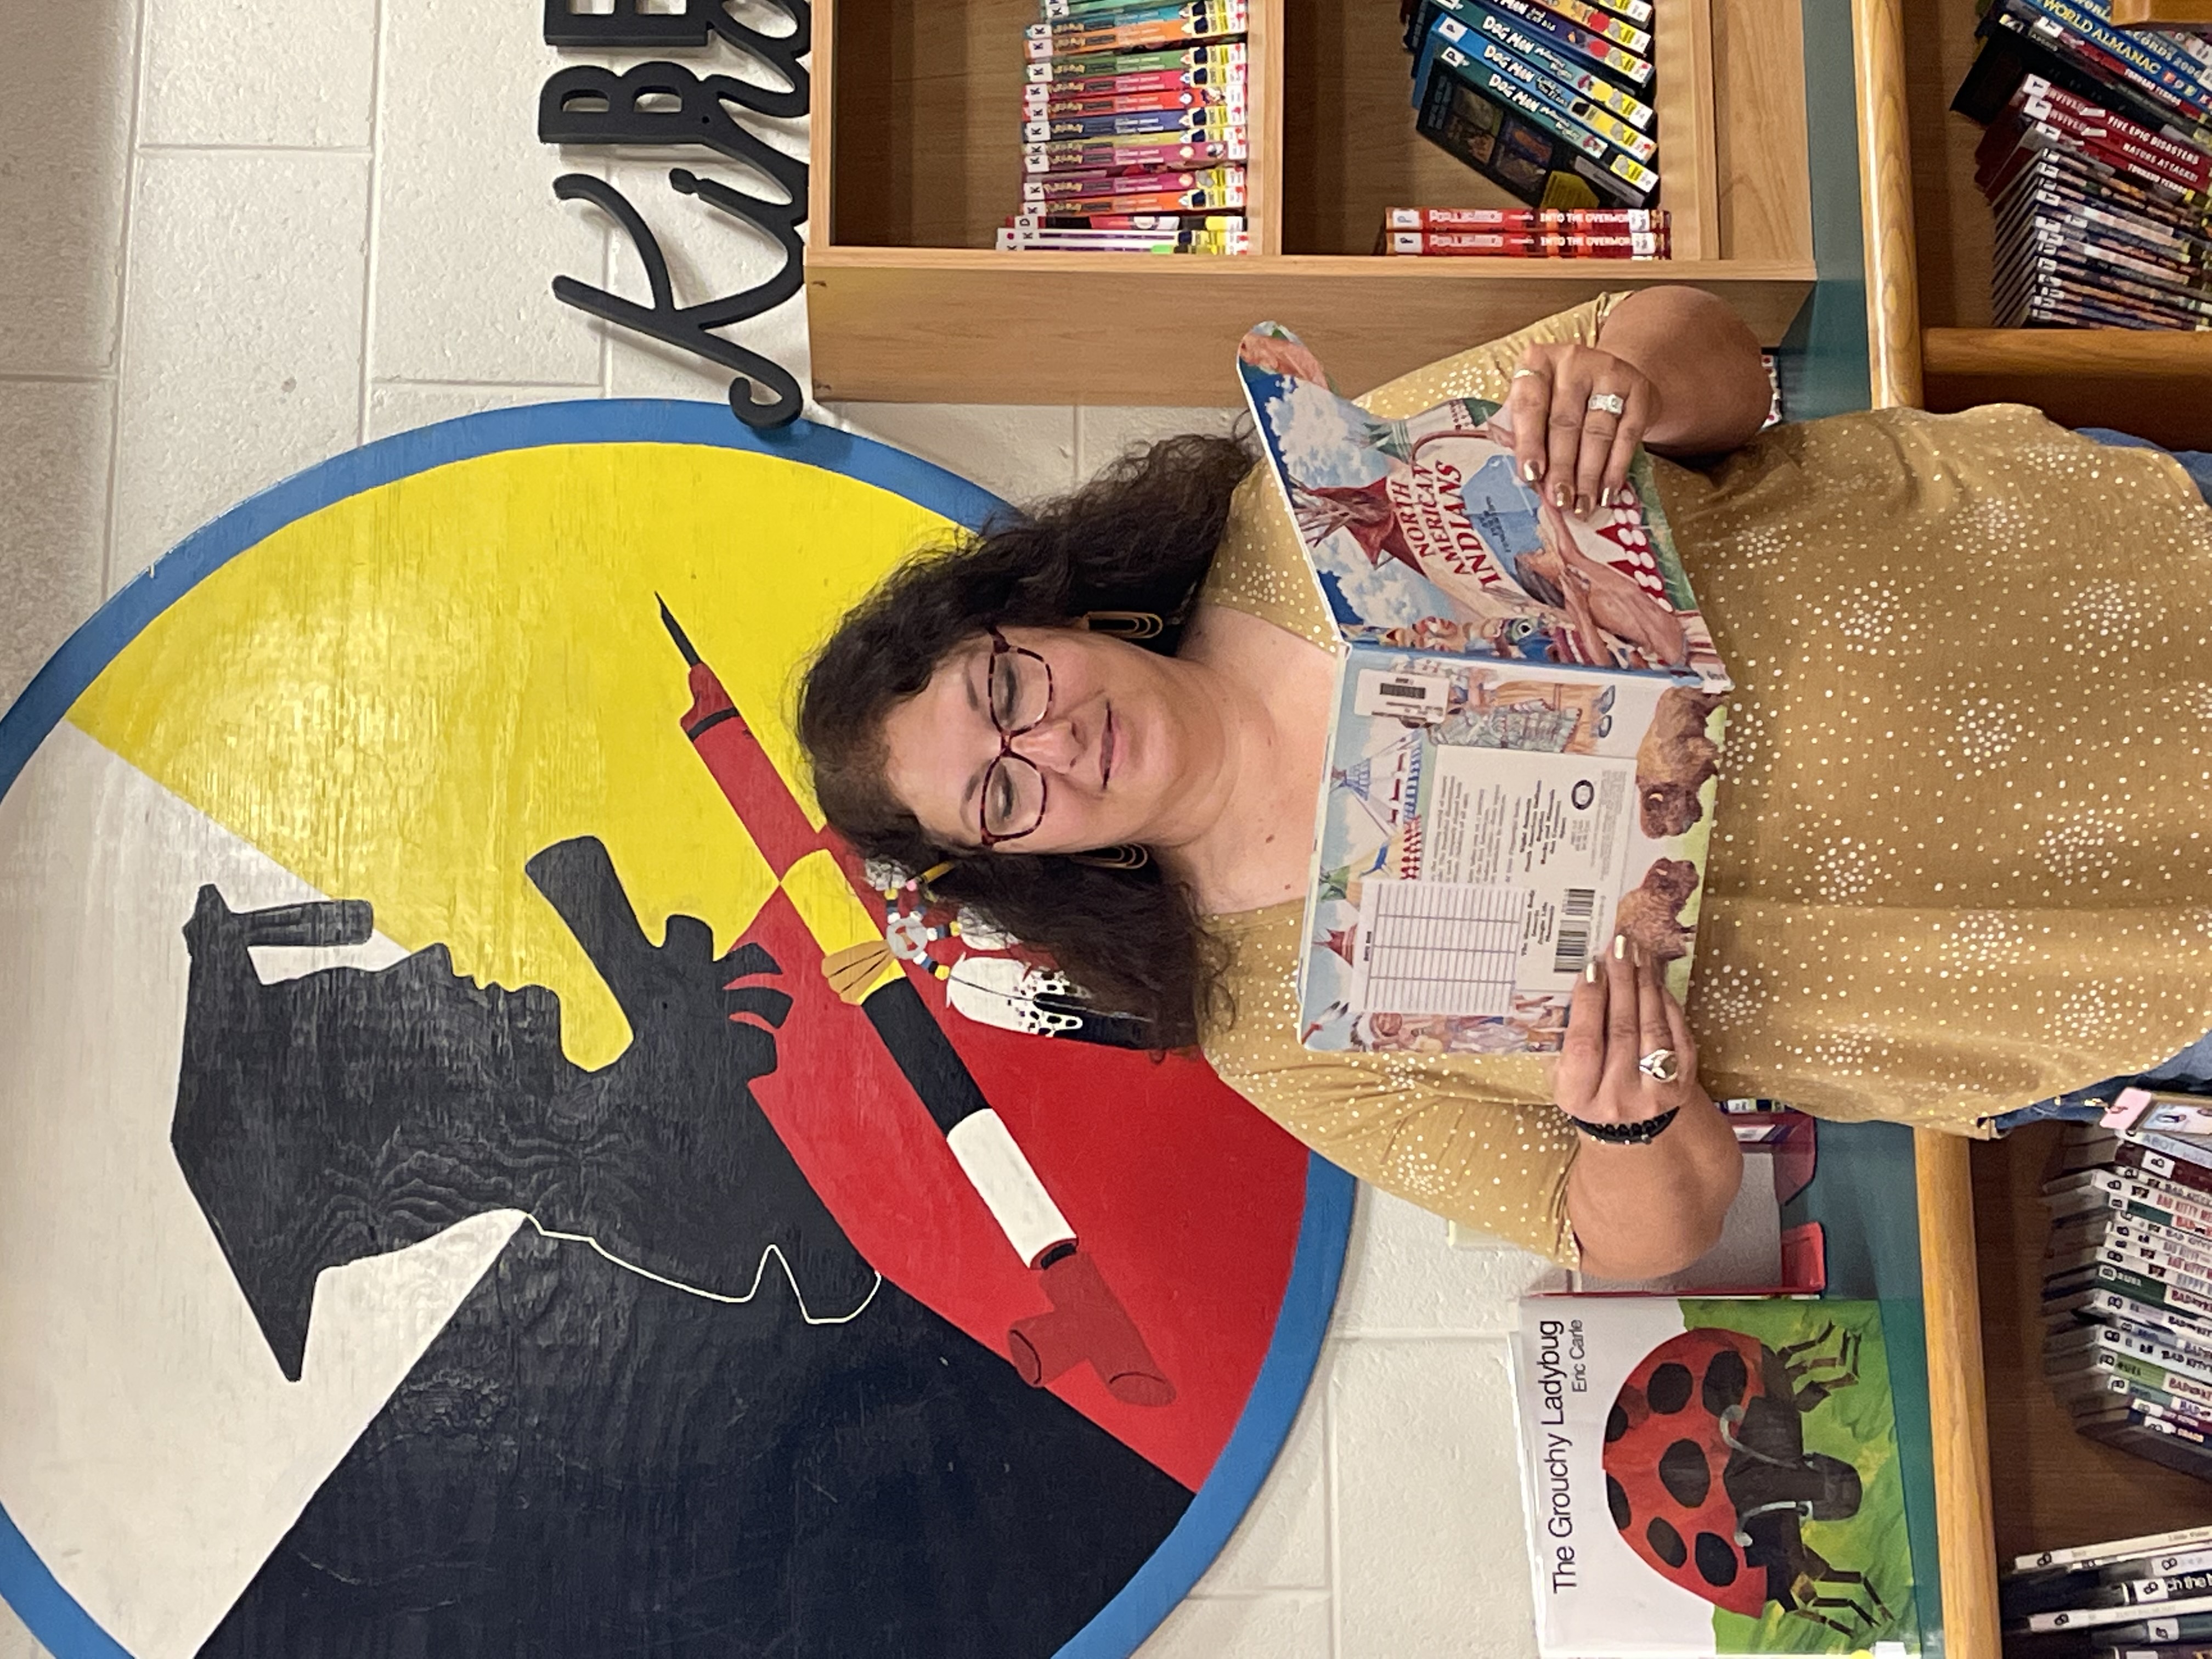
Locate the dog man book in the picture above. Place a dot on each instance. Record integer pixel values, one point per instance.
(1711, 1477)
(1526, 731)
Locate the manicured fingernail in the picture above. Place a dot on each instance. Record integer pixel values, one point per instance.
(1528, 472)
(1605, 498)
(1559, 497)
(1589, 973)
(1619, 947)
(1582, 506)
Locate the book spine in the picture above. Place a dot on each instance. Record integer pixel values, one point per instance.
(1151, 201)
(1144, 103)
(2181, 1171)
(1526, 245)
(2146, 50)
(2107, 1372)
(2115, 1550)
(1602, 124)
(2077, 118)
(1080, 156)
(1600, 23)
(2090, 1618)
(2056, 21)
(1214, 59)
(1043, 40)
(1580, 76)
(1217, 184)
(1121, 13)
(1168, 222)
(2160, 1201)
(2113, 1307)
(2036, 42)
(1581, 43)
(1127, 86)
(1192, 124)
(1574, 221)
(1623, 177)
(1636, 11)
(2142, 1286)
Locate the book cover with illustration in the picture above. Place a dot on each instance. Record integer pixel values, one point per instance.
(1711, 1477)
(1524, 750)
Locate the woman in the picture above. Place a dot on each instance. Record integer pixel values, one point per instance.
(1961, 855)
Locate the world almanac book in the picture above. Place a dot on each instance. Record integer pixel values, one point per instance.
(1709, 1477)
(1525, 747)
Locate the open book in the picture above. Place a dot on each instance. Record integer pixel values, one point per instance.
(1522, 758)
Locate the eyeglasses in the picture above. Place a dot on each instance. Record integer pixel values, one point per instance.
(1020, 685)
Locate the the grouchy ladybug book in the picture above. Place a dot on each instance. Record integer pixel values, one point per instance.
(1711, 1477)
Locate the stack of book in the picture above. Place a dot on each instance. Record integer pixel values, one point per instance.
(1551, 99)
(2133, 1598)
(1134, 129)
(2127, 1295)
(2098, 164)
(1525, 233)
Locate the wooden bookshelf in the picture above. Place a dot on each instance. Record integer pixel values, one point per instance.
(2010, 1474)
(1924, 217)
(915, 129)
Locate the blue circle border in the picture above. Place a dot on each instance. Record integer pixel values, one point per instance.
(27, 1585)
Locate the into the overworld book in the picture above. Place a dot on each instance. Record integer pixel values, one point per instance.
(1526, 739)
(1710, 1477)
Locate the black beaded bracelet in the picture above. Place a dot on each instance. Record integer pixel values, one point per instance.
(1624, 1134)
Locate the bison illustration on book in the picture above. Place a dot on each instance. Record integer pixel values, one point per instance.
(1673, 761)
(1708, 1481)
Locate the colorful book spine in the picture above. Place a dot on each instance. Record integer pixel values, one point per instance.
(1598, 48)
(1566, 221)
(1214, 59)
(1197, 124)
(1582, 111)
(1079, 155)
(1213, 19)
(1566, 70)
(1525, 245)
(1218, 184)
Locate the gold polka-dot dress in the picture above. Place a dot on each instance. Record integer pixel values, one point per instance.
(1962, 858)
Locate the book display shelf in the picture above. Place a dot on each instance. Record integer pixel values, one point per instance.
(917, 162)
(2010, 1474)
(1930, 242)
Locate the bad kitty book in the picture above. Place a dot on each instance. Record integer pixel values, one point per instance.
(1710, 1477)
(1522, 755)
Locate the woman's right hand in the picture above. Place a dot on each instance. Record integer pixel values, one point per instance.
(1576, 454)
(1623, 1012)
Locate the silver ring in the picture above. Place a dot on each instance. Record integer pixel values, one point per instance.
(1659, 1066)
(1607, 403)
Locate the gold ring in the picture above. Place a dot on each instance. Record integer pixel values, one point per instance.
(1536, 373)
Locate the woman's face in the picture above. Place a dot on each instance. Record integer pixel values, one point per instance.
(1111, 743)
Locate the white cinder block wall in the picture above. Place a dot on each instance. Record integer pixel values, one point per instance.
(237, 236)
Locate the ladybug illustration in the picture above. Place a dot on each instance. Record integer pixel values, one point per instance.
(1707, 1478)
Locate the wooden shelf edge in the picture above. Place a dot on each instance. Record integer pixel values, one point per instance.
(1625, 273)
(1886, 213)
(1965, 1526)
(2105, 353)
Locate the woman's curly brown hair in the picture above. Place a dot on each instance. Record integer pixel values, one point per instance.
(1140, 536)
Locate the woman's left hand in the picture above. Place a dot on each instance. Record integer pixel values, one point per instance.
(1573, 449)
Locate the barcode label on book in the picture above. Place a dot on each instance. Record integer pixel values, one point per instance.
(1404, 696)
(1571, 953)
